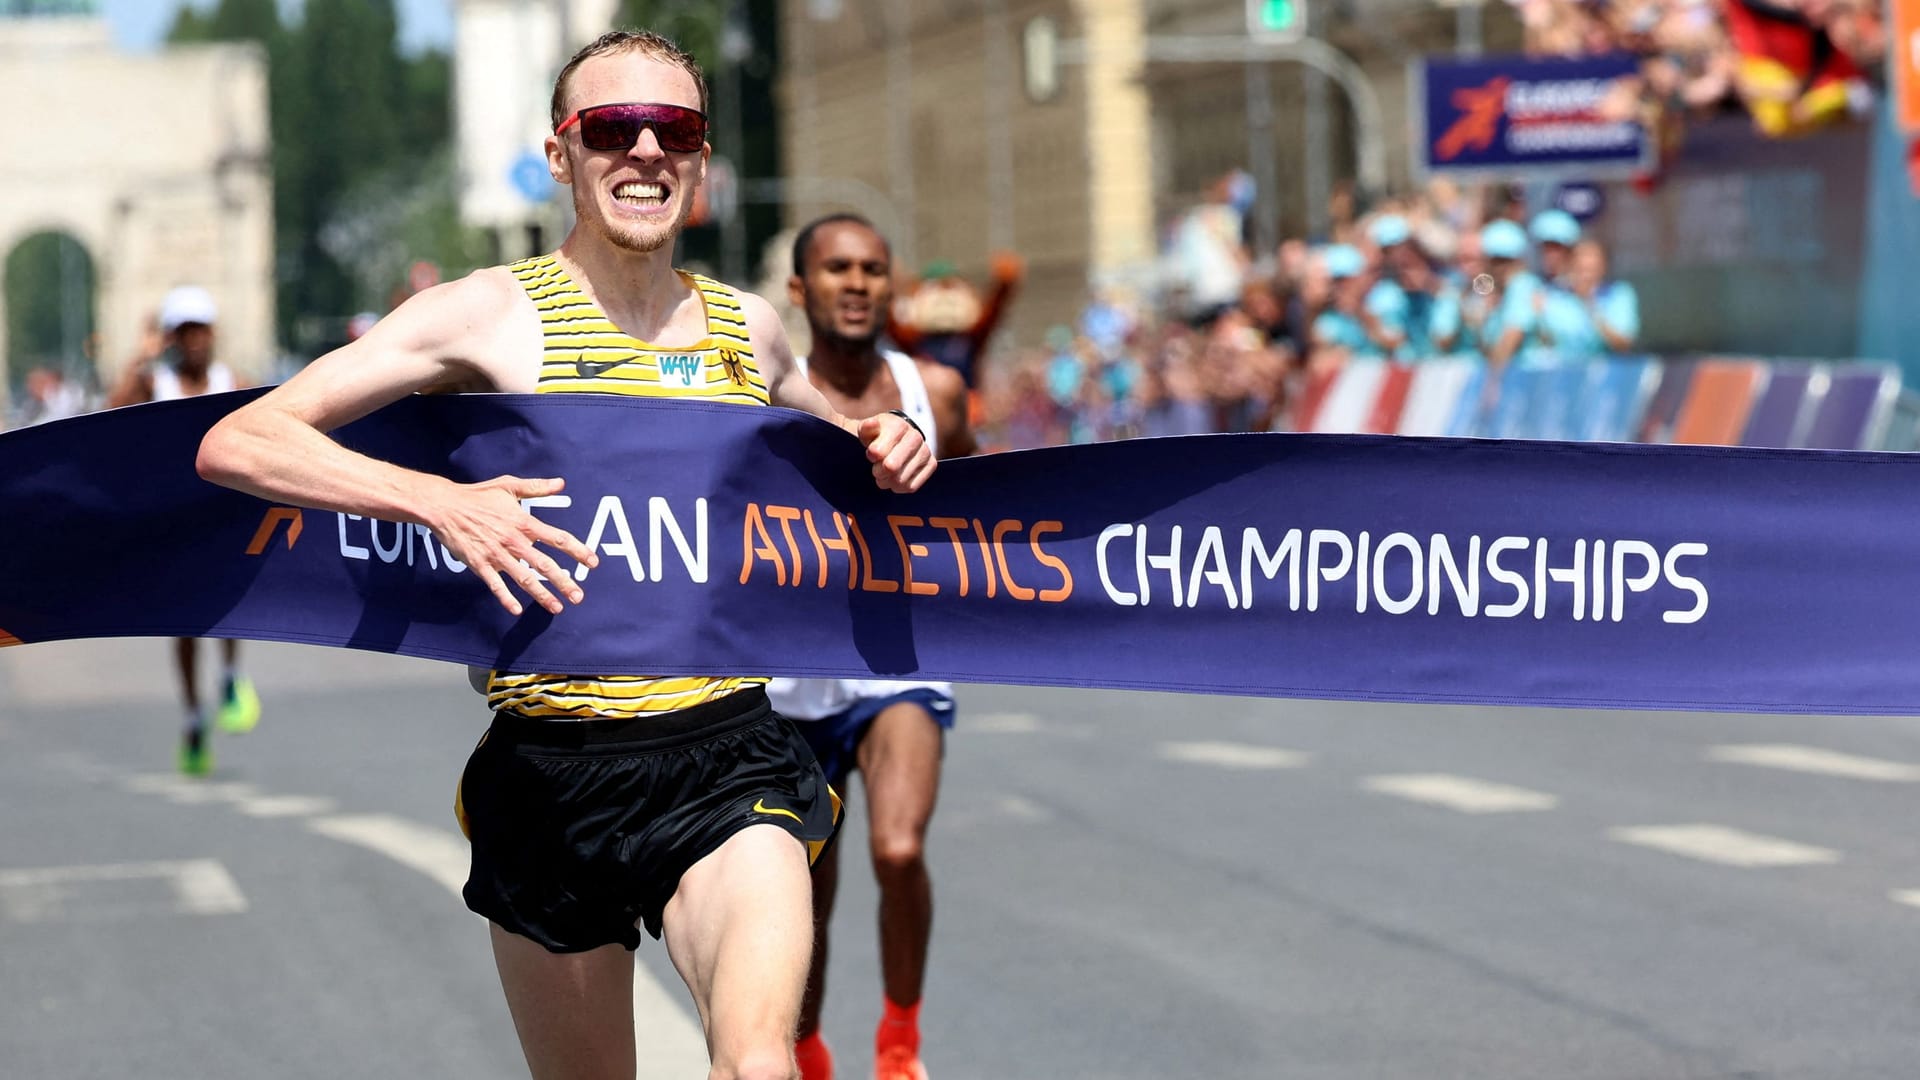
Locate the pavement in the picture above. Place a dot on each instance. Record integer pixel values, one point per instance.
(1128, 886)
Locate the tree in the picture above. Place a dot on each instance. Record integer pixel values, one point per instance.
(348, 113)
(50, 290)
(699, 27)
(695, 26)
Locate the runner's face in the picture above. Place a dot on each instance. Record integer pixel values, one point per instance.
(848, 286)
(638, 198)
(195, 341)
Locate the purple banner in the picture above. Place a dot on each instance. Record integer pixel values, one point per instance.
(753, 541)
(1513, 116)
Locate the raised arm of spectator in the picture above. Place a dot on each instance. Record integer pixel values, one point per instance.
(1617, 313)
(1384, 317)
(134, 386)
(1519, 303)
(1444, 322)
(1008, 271)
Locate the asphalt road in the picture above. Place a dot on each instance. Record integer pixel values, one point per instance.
(1129, 886)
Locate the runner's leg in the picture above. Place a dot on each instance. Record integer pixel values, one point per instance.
(739, 930)
(186, 658)
(900, 763)
(574, 1011)
(826, 885)
(196, 756)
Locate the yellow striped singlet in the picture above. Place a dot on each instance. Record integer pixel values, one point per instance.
(585, 353)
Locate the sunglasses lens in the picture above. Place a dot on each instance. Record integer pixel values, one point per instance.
(683, 132)
(617, 127)
(608, 129)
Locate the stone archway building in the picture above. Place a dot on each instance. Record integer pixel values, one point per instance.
(158, 164)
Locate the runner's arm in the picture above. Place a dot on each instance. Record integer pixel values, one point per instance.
(135, 385)
(901, 458)
(453, 335)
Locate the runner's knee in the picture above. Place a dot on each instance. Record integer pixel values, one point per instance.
(770, 1063)
(898, 854)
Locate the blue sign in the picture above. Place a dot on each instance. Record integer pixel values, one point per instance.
(530, 177)
(1511, 116)
(1583, 200)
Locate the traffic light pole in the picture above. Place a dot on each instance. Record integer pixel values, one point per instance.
(1369, 118)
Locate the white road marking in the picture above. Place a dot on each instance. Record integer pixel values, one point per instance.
(1909, 897)
(156, 783)
(1002, 723)
(203, 793)
(285, 806)
(198, 887)
(1462, 793)
(1229, 755)
(1728, 847)
(206, 888)
(187, 791)
(1025, 809)
(1812, 759)
(438, 853)
(672, 1043)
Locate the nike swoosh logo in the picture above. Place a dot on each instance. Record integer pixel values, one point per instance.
(760, 807)
(588, 369)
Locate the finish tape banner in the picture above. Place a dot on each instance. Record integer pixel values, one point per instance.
(737, 540)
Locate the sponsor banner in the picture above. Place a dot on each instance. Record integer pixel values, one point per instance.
(739, 540)
(1513, 116)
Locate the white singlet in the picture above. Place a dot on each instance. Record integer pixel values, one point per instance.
(815, 699)
(166, 381)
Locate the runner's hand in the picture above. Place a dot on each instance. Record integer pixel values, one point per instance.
(901, 458)
(485, 527)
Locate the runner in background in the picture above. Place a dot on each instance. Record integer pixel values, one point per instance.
(892, 733)
(185, 368)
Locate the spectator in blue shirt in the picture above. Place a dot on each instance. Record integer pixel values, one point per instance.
(1347, 325)
(1506, 316)
(1555, 231)
(1593, 315)
(1415, 309)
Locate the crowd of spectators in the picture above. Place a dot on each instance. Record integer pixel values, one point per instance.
(1793, 65)
(1231, 338)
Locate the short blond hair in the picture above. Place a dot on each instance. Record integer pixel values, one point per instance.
(646, 43)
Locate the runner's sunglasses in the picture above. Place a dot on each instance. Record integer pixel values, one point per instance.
(617, 127)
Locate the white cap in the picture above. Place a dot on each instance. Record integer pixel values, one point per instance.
(186, 304)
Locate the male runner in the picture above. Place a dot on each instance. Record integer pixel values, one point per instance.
(890, 731)
(597, 802)
(185, 367)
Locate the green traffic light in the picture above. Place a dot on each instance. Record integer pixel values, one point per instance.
(1277, 14)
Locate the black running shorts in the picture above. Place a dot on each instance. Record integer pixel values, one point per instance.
(580, 828)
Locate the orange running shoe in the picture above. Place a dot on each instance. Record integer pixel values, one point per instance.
(898, 1062)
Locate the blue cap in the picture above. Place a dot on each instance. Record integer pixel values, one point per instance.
(1555, 227)
(1388, 230)
(1503, 239)
(1343, 261)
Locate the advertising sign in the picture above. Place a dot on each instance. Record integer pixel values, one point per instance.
(1506, 117)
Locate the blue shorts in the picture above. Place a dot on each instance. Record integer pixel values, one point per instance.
(836, 739)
